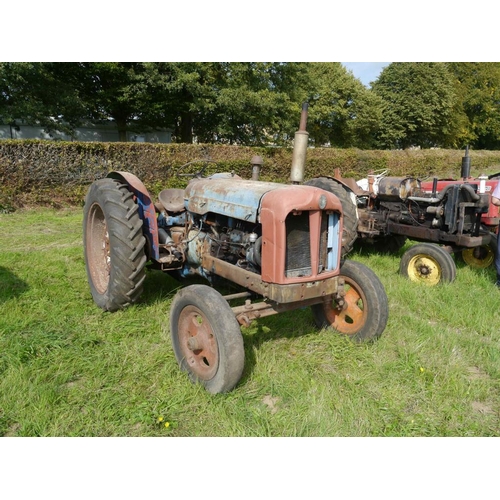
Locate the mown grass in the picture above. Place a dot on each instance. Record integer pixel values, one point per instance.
(69, 369)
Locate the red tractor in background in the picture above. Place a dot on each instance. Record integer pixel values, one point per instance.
(482, 256)
(445, 217)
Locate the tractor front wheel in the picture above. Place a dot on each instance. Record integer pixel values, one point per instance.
(429, 264)
(362, 313)
(113, 244)
(206, 338)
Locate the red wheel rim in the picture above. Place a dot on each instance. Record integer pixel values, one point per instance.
(352, 316)
(98, 254)
(198, 343)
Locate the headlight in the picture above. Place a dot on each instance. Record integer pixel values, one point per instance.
(322, 201)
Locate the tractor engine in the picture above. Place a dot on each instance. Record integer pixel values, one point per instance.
(296, 228)
(401, 201)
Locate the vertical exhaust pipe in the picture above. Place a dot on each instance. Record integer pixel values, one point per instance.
(466, 164)
(300, 149)
(256, 163)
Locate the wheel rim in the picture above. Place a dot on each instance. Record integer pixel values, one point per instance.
(424, 269)
(349, 318)
(478, 257)
(198, 343)
(98, 250)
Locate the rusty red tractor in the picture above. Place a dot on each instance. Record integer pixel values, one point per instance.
(278, 244)
(480, 256)
(445, 217)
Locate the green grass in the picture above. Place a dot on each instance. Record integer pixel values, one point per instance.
(69, 369)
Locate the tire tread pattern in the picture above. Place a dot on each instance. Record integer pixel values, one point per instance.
(127, 243)
(349, 209)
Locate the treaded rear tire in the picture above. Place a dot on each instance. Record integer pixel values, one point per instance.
(114, 246)
(350, 215)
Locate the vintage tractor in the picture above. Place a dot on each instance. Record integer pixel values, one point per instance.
(279, 245)
(384, 211)
(482, 256)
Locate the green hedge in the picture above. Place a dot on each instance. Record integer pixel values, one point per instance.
(59, 173)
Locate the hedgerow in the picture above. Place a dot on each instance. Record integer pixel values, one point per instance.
(34, 172)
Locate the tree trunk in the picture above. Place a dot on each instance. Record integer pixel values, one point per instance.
(186, 127)
(121, 124)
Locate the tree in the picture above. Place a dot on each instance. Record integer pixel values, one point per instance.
(344, 113)
(252, 103)
(62, 96)
(234, 103)
(478, 89)
(419, 104)
(37, 94)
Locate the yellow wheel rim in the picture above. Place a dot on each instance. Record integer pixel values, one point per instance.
(424, 269)
(478, 257)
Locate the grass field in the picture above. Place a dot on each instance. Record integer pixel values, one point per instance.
(69, 369)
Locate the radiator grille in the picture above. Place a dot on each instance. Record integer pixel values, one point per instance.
(298, 251)
(323, 244)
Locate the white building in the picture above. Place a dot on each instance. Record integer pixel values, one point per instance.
(96, 133)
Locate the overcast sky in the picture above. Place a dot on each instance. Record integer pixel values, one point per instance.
(366, 71)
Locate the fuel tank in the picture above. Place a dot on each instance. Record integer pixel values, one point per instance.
(391, 188)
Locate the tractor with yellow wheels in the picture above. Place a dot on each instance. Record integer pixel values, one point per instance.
(444, 217)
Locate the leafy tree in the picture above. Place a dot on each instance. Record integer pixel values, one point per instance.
(419, 105)
(62, 96)
(478, 90)
(39, 93)
(344, 113)
(234, 103)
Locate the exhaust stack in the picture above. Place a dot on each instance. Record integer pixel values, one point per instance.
(300, 148)
(465, 173)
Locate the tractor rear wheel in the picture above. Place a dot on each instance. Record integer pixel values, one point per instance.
(350, 215)
(206, 338)
(364, 312)
(481, 257)
(113, 245)
(429, 264)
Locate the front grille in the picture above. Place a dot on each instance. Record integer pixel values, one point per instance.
(298, 244)
(298, 251)
(323, 244)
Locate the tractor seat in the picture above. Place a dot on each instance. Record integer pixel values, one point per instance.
(172, 200)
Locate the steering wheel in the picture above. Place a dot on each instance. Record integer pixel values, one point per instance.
(198, 173)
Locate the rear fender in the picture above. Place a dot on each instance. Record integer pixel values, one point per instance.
(349, 183)
(147, 210)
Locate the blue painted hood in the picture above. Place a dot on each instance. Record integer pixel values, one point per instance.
(229, 195)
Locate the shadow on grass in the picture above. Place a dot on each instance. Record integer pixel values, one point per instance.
(269, 329)
(10, 285)
(383, 247)
(158, 285)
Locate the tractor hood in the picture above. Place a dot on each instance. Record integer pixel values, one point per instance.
(239, 198)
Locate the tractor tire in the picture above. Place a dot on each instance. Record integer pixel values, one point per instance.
(349, 209)
(206, 338)
(114, 246)
(364, 315)
(429, 264)
(481, 257)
